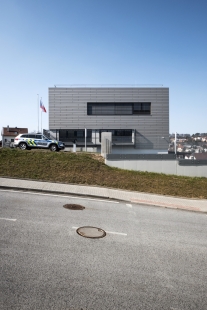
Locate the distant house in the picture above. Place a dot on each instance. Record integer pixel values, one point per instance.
(200, 156)
(179, 149)
(9, 133)
(197, 156)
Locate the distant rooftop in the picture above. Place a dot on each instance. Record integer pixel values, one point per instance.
(13, 131)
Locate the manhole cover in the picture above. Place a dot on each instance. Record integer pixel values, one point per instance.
(73, 206)
(91, 232)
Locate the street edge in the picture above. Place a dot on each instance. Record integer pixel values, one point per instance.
(135, 201)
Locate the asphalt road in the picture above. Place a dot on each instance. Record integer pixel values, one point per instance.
(151, 258)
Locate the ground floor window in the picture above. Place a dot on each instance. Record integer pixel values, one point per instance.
(118, 135)
(69, 135)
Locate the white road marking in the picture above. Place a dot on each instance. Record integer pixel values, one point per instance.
(52, 195)
(1, 218)
(128, 205)
(116, 233)
(108, 232)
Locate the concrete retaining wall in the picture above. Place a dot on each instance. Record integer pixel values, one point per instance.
(171, 166)
(82, 149)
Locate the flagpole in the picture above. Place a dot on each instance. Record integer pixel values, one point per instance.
(41, 117)
(38, 111)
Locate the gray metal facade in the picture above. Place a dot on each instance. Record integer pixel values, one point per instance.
(68, 110)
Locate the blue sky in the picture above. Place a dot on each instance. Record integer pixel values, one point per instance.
(131, 42)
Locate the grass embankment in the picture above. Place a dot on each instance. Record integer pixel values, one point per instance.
(89, 169)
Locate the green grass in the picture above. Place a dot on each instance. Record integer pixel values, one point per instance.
(89, 169)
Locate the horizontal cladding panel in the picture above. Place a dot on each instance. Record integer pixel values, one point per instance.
(118, 95)
(124, 124)
(124, 94)
(115, 126)
(145, 126)
(112, 92)
(85, 100)
(138, 137)
(70, 113)
(84, 97)
(106, 99)
(105, 118)
(107, 89)
(160, 133)
(110, 120)
(103, 96)
(115, 91)
(154, 114)
(146, 130)
(139, 127)
(80, 120)
(84, 107)
(156, 110)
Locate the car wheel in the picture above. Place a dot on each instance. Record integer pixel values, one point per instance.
(22, 146)
(53, 147)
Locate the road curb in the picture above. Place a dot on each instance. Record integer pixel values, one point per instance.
(53, 192)
(131, 200)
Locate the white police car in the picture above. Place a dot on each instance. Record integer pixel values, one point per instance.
(37, 140)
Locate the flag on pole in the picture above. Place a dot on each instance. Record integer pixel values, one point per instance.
(42, 106)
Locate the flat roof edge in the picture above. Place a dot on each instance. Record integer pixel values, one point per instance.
(109, 86)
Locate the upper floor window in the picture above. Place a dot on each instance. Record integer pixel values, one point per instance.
(142, 108)
(118, 108)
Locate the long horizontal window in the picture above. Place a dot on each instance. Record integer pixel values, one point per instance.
(121, 108)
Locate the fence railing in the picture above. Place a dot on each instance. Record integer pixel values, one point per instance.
(181, 162)
(141, 156)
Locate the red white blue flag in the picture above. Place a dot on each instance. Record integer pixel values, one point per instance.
(42, 106)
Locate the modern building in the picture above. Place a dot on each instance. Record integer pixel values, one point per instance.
(138, 117)
(9, 133)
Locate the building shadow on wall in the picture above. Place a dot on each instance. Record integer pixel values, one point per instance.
(141, 142)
